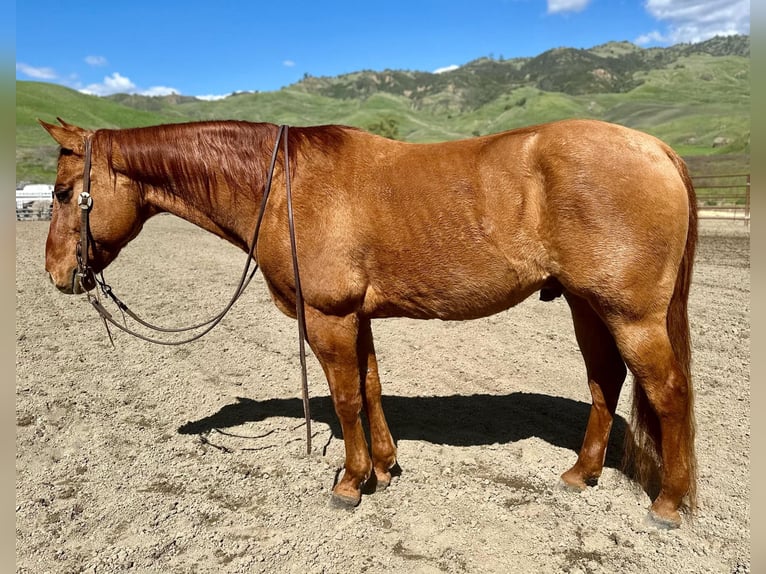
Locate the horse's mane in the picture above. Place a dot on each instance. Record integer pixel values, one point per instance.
(192, 160)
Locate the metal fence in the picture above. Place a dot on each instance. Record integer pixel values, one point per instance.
(34, 211)
(723, 197)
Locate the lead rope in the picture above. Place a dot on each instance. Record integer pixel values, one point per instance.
(299, 306)
(88, 279)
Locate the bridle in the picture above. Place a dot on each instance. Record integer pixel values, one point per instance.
(85, 274)
(88, 279)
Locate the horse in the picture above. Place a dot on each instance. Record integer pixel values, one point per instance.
(598, 213)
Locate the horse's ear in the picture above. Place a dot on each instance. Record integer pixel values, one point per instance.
(65, 124)
(67, 136)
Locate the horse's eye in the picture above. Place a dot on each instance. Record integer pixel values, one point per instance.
(62, 194)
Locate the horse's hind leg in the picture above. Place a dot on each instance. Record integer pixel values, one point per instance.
(334, 341)
(647, 350)
(383, 448)
(606, 373)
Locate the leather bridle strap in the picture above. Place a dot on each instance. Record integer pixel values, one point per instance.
(85, 203)
(85, 273)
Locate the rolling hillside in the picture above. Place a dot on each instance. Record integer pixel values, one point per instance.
(694, 96)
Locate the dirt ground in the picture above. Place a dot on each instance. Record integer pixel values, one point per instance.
(143, 458)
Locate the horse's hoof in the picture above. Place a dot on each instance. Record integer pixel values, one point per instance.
(576, 487)
(663, 522)
(344, 501)
(575, 481)
(382, 481)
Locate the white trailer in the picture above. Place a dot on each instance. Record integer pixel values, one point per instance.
(28, 194)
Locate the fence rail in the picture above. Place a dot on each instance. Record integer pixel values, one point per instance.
(34, 212)
(723, 196)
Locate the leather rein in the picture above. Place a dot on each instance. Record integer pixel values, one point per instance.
(88, 278)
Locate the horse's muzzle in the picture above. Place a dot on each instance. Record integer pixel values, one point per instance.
(77, 284)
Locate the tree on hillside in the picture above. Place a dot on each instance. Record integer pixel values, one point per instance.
(388, 127)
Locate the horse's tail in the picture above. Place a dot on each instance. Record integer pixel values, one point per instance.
(642, 450)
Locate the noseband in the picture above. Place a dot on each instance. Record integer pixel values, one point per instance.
(88, 279)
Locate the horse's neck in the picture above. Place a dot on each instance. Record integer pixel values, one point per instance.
(206, 174)
(221, 216)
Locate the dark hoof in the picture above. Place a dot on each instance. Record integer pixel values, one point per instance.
(576, 487)
(344, 502)
(662, 522)
(380, 481)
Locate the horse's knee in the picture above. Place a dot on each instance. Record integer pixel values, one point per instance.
(348, 406)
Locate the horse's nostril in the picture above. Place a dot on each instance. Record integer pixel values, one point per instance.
(64, 289)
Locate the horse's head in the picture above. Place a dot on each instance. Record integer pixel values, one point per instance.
(114, 218)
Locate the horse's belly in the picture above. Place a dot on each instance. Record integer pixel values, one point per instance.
(460, 293)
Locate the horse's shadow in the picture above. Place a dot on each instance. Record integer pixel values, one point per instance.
(457, 420)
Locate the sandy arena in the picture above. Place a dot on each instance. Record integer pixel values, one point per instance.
(144, 458)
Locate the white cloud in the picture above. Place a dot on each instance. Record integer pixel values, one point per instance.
(95, 60)
(119, 84)
(36, 73)
(446, 69)
(212, 97)
(652, 37)
(159, 91)
(288, 63)
(698, 20)
(556, 6)
(114, 84)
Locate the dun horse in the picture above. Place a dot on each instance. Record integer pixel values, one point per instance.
(599, 213)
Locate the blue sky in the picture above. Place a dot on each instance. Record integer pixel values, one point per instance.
(210, 49)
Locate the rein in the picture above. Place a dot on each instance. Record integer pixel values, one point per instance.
(88, 279)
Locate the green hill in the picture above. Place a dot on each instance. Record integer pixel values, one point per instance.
(694, 96)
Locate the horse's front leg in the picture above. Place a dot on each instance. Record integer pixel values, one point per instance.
(334, 341)
(383, 448)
